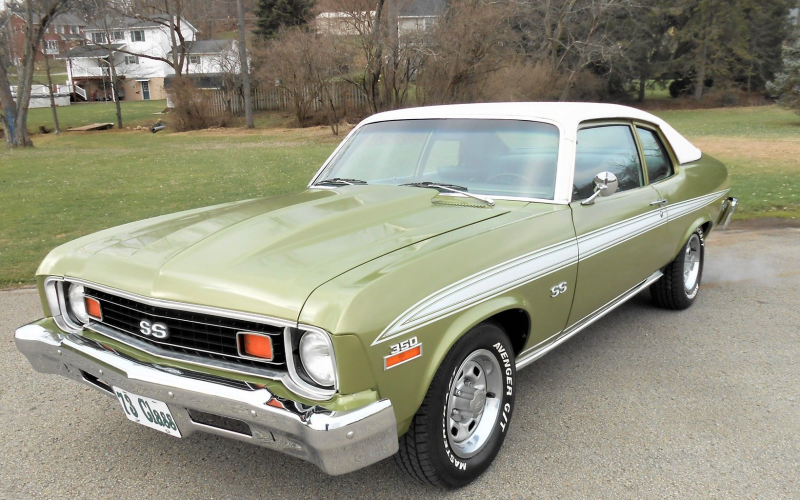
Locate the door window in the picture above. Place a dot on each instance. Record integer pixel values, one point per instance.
(656, 158)
(607, 148)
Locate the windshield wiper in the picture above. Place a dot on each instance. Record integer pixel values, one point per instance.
(340, 180)
(452, 188)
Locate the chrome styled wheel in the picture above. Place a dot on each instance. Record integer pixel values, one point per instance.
(473, 404)
(691, 263)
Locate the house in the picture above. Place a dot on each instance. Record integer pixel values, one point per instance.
(412, 16)
(206, 57)
(65, 32)
(138, 77)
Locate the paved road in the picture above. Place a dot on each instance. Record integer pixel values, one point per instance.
(644, 404)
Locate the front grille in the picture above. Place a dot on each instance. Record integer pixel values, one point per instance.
(203, 335)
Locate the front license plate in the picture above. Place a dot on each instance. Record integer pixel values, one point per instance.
(149, 412)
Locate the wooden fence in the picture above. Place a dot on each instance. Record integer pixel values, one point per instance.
(345, 96)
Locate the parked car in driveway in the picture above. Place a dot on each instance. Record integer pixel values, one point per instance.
(385, 309)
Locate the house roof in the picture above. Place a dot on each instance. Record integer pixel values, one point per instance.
(126, 22)
(66, 19)
(207, 46)
(405, 8)
(89, 51)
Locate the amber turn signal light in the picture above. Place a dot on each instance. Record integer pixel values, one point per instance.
(402, 357)
(93, 308)
(256, 346)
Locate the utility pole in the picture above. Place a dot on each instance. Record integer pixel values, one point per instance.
(244, 68)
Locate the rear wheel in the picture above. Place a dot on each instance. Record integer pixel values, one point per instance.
(678, 287)
(462, 422)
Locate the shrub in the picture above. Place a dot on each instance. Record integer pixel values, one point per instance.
(193, 109)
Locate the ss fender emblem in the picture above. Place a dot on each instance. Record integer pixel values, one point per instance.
(150, 329)
(558, 289)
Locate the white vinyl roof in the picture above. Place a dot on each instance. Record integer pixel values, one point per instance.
(568, 115)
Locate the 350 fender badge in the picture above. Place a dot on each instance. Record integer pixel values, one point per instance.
(403, 352)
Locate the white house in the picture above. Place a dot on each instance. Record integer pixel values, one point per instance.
(138, 77)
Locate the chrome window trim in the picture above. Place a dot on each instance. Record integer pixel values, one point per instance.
(288, 378)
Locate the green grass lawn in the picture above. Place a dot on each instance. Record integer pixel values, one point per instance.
(761, 147)
(77, 114)
(77, 183)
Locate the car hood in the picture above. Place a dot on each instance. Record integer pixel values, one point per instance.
(264, 256)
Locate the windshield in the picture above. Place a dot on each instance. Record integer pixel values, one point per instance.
(495, 157)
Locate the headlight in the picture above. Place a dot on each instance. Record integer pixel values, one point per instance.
(315, 353)
(77, 304)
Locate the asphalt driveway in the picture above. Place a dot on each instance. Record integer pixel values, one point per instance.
(646, 403)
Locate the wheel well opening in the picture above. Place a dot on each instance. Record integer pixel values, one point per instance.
(517, 325)
(706, 228)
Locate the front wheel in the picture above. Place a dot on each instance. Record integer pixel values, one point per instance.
(678, 287)
(463, 420)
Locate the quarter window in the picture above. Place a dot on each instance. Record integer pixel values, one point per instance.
(656, 158)
(609, 148)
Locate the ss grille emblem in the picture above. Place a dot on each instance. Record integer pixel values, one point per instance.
(151, 329)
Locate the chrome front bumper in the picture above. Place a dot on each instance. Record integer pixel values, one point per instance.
(337, 442)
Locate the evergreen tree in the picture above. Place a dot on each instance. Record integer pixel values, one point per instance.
(786, 85)
(273, 14)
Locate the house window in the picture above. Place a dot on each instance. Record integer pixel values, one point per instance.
(131, 60)
(75, 30)
(52, 46)
(118, 35)
(137, 36)
(61, 29)
(194, 59)
(98, 38)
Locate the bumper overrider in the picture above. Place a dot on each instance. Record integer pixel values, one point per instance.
(336, 441)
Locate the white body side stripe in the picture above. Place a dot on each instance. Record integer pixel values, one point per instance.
(521, 270)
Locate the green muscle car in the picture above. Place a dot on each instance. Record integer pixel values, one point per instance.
(385, 309)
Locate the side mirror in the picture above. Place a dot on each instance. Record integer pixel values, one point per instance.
(605, 184)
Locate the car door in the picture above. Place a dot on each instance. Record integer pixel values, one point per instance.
(620, 237)
(679, 193)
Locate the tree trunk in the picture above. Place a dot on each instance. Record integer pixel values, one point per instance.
(113, 68)
(701, 74)
(244, 67)
(394, 49)
(642, 83)
(50, 87)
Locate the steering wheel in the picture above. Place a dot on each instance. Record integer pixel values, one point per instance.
(524, 180)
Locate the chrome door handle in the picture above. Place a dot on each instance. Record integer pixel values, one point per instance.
(661, 202)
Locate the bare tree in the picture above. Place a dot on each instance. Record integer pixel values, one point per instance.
(360, 22)
(38, 15)
(469, 45)
(244, 67)
(51, 89)
(306, 66)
